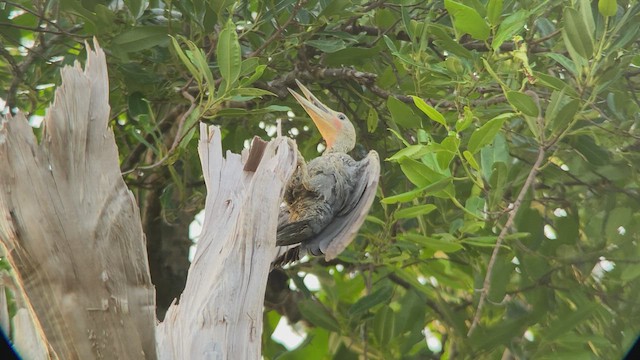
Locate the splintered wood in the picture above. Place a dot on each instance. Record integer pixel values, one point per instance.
(71, 228)
(219, 315)
(72, 233)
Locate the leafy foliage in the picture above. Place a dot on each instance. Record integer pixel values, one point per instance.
(508, 219)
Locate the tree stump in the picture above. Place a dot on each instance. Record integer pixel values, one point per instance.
(220, 311)
(72, 233)
(71, 227)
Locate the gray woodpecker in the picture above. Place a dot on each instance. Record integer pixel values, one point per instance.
(326, 200)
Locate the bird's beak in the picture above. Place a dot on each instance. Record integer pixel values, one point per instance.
(326, 120)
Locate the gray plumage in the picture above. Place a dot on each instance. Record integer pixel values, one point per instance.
(327, 200)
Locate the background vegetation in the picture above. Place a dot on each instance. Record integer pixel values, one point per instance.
(507, 223)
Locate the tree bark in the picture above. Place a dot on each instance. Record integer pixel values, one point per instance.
(220, 311)
(71, 228)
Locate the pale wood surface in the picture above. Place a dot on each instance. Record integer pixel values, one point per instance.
(71, 228)
(26, 339)
(219, 315)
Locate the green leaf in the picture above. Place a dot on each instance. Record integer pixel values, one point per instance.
(433, 189)
(241, 111)
(228, 54)
(384, 325)
(411, 315)
(140, 38)
(471, 160)
(327, 46)
(568, 320)
(494, 11)
(253, 92)
(432, 113)
(578, 34)
(380, 296)
(481, 241)
(502, 272)
(318, 315)
(557, 100)
(489, 155)
(523, 102)
(372, 119)
(584, 7)
(565, 115)
(463, 124)
(249, 65)
(485, 134)
(404, 197)
(467, 20)
(414, 211)
(498, 179)
(617, 218)
(390, 44)
(136, 7)
(448, 150)
(185, 59)
(607, 7)
(475, 205)
(564, 61)
(189, 125)
(254, 77)
(411, 151)
(592, 152)
(402, 114)
(431, 242)
(509, 27)
(418, 173)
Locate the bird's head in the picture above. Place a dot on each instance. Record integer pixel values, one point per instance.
(335, 127)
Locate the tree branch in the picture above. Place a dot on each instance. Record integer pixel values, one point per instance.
(503, 233)
(279, 30)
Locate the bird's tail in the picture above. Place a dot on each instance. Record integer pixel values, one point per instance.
(289, 256)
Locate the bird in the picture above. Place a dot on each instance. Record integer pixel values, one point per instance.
(326, 200)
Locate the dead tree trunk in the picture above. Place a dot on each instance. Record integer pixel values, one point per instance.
(71, 231)
(71, 228)
(220, 311)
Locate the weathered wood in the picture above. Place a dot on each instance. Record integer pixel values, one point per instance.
(71, 228)
(219, 315)
(26, 339)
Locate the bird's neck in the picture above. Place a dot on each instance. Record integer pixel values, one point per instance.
(338, 149)
(342, 144)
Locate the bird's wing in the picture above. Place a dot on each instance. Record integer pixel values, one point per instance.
(340, 232)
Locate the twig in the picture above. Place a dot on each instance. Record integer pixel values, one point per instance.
(179, 137)
(486, 286)
(164, 125)
(279, 30)
(42, 17)
(36, 29)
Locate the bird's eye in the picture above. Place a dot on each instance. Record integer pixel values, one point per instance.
(341, 117)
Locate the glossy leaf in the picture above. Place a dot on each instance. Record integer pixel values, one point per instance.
(372, 119)
(140, 38)
(414, 211)
(485, 134)
(402, 113)
(578, 34)
(432, 113)
(432, 243)
(523, 102)
(228, 54)
(494, 11)
(509, 27)
(467, 20)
